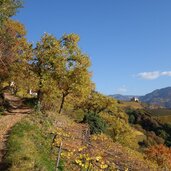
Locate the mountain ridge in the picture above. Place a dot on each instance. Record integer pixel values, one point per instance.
(160, 97)
(124, 97)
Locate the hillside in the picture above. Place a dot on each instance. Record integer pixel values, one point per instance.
(29, 147)
(129, 105)
(157, 99)
(53, 118)
(33, 143)
(162, 114)
(161, 97)
(123, 97)
(154, 123)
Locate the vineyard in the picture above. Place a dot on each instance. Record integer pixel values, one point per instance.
(82, 151)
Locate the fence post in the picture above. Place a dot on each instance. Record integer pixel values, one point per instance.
(59, 156)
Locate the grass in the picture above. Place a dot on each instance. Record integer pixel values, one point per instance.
(29, 146)
(163, 115)
(160, 112)
(163, 119)
(29, 143)
(130, 105)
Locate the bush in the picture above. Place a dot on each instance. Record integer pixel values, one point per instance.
(131, 119)
(31, 102)
(96, 123)
(1, 110)
(161, 155)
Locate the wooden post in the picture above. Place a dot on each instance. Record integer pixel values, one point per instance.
(53, 140)
(59, 156)
(62, 103)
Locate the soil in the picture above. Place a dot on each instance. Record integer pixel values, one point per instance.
(15, 112)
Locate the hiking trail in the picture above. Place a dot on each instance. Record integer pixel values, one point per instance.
(16, 111)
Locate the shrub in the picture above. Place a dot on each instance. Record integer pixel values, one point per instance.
(1, 110)
(31, 102)
(131, 119)
(160, 154)
(97, 125)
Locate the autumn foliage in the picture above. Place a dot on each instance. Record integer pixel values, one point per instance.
(160, 154)
(59, 72)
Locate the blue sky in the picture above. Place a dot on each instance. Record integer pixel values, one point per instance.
(128, 41)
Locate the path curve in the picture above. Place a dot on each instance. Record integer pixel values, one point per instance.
(17, 110)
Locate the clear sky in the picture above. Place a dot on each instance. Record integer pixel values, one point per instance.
(128, 41)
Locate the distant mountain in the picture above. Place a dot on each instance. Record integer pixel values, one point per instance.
(161, 97)
(123, 97)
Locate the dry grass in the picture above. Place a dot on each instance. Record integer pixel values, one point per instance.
(130, 105)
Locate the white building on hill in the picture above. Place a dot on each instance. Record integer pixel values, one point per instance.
(135, 99)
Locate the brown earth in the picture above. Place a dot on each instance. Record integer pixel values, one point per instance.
(16, 111)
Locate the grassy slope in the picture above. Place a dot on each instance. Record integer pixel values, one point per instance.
(29, 146)
(163, 115)
(131, 105)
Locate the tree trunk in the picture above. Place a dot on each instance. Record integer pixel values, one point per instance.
(2, 99)
(39, 95)
(62, 103)
(40, 92)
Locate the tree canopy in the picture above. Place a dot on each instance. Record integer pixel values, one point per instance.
(9, 8)
(60, 65)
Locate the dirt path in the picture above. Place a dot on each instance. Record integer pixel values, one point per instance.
(14, 114)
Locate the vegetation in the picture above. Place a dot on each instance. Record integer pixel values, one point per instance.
(95, 131)
(29, 145)
(163, 115)
(156, 131)
(95, 122)
(160, 112)
(161, 155)
(22, 147)
(9, 8)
